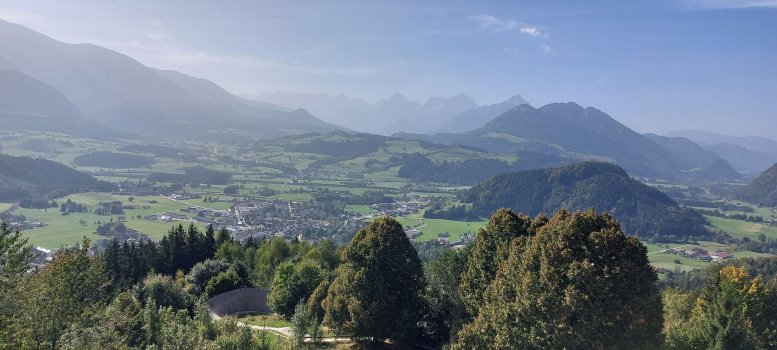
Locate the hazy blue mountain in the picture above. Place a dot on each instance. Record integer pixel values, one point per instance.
(641, 209)
(22, 94)
(119, 92)
(477, 117)
(450, 106)
(705, 138)
(748, 154)
(684, 149)
(396, 113)
(570, 131)
(254, 100)
(763, 190)
(743, 159)
(29, 104)
(708, 165)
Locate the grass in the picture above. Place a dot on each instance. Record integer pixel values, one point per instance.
(268, 320)
(430, 228)
(667, 261)
(69, 229)
(655, 248)
(212, 205)
(741, 229)
(5, 206)
(361, 209)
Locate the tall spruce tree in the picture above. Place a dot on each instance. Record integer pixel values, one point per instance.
(377, 292)
(491, 248)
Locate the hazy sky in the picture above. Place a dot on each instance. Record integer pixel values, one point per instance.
(655, 66)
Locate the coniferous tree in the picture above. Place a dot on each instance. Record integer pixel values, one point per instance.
(377, 292)
(15, 255)
(491, 248)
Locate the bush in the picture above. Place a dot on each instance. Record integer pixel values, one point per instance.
(222, 283)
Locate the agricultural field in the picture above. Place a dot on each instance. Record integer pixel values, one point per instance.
(69, 229)
(431, 228)
(661, 257)
(741, 229)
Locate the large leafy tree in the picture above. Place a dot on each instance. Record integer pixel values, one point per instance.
(575, 282)
(377, 292)
(293, 284)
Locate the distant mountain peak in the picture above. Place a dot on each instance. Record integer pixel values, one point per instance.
(398, 97)
(517, 100)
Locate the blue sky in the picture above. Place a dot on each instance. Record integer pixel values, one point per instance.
(654, 65)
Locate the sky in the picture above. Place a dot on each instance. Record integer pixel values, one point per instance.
(656, 66)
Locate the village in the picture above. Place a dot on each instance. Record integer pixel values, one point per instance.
(701, 254)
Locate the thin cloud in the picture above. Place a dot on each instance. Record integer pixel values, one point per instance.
(546, 48)
(490, 23)
(531, 31)
(730, 4)
(169, 57)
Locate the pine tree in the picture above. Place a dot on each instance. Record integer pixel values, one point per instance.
(377, 292)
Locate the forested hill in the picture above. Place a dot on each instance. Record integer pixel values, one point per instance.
(28, 179)
(763, 190)
(641, 209)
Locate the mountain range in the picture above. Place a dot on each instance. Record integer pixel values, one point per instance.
(571, 131)
(395, 114)
(748, 154)
(88, 84)
(87, 90)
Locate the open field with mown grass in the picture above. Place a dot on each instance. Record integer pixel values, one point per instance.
(430, 228)
(741, 229)
(68, 229)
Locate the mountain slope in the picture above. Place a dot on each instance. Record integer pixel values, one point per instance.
(748, 154)
(708, 165)
(642, 210)
(119, 92)
(704, 138)
(20, 94)
(477, 117)
(743, 159)
(763, 190)
(28, 178)
(571, 131)
(29, 104)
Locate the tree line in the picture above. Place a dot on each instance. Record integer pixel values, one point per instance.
(573, 280)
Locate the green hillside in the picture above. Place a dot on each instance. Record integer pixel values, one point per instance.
(763, 190)
(642, 210)
(33, 178)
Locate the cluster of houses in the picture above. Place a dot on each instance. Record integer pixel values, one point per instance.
(22, 225)
(701, 254)
(402, 207)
